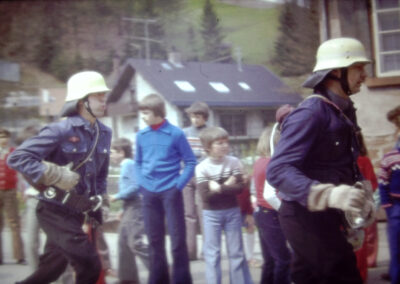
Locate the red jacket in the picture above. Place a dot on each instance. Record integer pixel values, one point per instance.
(259, 171)
(244, 201)
(8, 176)
(367, 170)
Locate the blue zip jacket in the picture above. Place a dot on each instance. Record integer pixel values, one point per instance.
(158, 158)
(127, 187)
(62, 142)
(317, 145)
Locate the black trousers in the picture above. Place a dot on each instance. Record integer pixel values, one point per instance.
(322, 254)
(66, 242)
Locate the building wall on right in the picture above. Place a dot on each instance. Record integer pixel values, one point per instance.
(374, 23)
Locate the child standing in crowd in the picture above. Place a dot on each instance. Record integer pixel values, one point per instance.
(272, 240)
(160, 149)
(31, 201)
(8, 198)
(389, 190)
(131, 228)
(198, 113)
(219, 181)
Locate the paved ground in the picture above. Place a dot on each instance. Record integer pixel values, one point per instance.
(10, 272)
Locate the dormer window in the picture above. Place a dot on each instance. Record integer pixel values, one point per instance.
(166, 66)
(219, 87)
(185, 86)
(244, 86)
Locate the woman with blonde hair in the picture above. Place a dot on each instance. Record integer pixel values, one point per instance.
(272, 240)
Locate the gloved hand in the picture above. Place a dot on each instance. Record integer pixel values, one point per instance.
(343, 197)
(60, 176)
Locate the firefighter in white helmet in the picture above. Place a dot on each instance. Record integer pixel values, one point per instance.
(315, 170)
(67, 162)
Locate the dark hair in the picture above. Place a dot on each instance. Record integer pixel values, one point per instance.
(125, 145)
(392, 114)
(155, 103)
(198, 108)
(4, 133)
(211, 134)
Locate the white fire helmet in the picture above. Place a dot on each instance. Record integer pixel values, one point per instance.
(340, 52)
(333, 54)
(79, 86)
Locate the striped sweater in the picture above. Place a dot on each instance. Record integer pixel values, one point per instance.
(389, 178)
(219, 171)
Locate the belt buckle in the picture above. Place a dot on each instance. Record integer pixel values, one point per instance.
(50, 193)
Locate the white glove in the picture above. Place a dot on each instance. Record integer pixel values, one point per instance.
(343, 197)
(269, 194)
(60, 176)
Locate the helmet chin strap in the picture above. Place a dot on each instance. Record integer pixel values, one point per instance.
(344, 83)
(87, 107)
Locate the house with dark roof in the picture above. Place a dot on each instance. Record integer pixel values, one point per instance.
(242, 98)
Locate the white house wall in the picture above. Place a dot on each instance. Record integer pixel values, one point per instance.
(372, 106)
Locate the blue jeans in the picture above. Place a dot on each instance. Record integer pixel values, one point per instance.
(393, 225)
(273, 246)
(229, 221)
(157, 207)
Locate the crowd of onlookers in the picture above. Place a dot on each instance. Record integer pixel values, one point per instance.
(221, 197)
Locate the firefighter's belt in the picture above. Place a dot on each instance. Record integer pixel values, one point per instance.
(72, 200)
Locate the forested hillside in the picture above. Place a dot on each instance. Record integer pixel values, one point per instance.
(59, 37)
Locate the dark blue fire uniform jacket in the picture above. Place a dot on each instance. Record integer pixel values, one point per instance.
(66, 141)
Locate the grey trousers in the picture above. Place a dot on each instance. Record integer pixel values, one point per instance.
(33, 232)
(193, 216)
(131, 242)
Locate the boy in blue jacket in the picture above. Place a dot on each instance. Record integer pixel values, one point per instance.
(131, 228)
(160, 150)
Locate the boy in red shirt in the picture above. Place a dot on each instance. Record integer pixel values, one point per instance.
(8, 198)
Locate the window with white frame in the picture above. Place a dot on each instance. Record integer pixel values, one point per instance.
(386, 19)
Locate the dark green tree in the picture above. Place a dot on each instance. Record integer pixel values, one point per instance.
(298, 40)
(49, 48)
(214, 47)
(193, 52)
